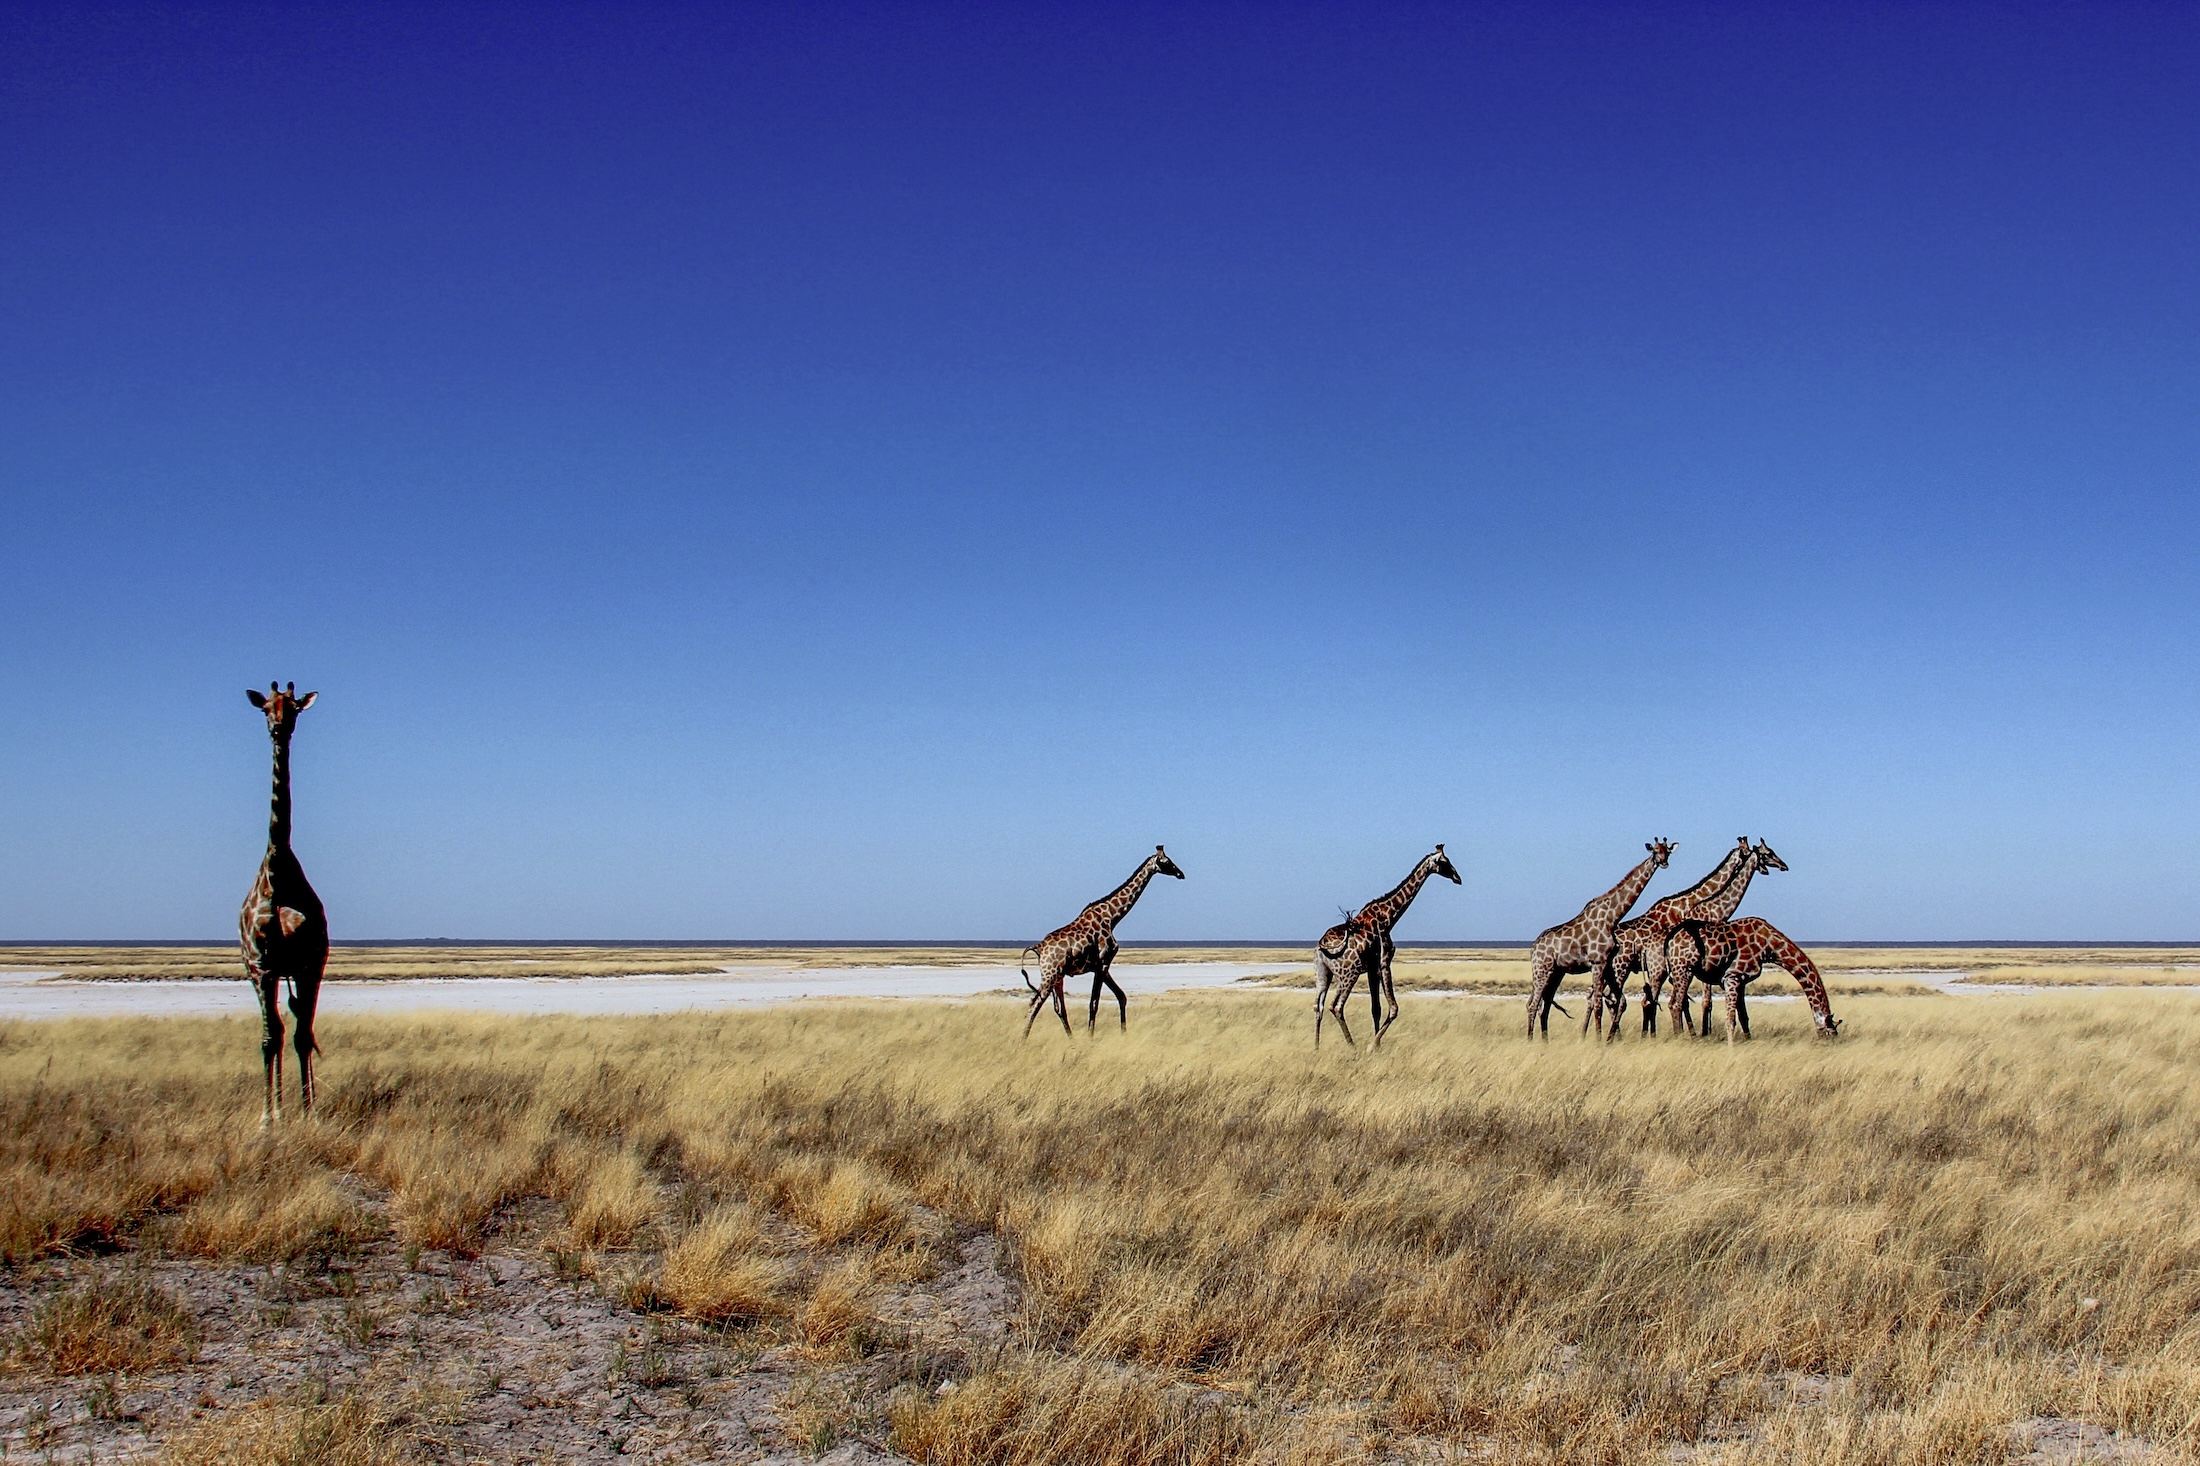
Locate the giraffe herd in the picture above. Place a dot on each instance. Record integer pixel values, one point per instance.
(1683, 940)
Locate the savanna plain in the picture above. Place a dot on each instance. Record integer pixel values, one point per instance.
(868, 1231)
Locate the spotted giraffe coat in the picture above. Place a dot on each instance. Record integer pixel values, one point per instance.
(1729, 956)
(1088, 945)
(1360, 946)
(1631, 937)
(1584, 945)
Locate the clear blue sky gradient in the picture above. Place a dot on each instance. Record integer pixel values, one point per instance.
(872, 472)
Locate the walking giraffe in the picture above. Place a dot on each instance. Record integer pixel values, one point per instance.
(1630, 937)
(1360, 946)
(1659, 961)
(1585, 943)
(283, 929)
(1730, 955)
(1088, 945)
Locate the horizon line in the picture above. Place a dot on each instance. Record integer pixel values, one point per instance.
(613, 943)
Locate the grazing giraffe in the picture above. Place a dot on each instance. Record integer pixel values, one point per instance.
(1585, 943)
(283, 928)
(1360, 946)
(1681, 944)
(1088, 945)
(1731, 954)
(1630, 937)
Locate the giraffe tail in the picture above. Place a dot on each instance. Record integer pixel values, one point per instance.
(1020, 967)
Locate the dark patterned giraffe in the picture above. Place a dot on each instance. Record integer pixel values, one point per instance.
(1585, 943)
(1088, 945)
(1631, 936)
(1681, 944)
(1729, 955)
(1360, 946)
(283, 928)
(1719, 907)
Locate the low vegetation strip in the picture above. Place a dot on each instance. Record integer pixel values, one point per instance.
(1891, 1248)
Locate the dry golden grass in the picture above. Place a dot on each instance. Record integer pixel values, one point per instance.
(1962, 1215)
(102, 1326)
(358, 1430)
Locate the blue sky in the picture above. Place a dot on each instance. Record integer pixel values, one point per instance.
(873, 471)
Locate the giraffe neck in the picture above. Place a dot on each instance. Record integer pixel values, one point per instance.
(1608, 908)
(1383, 912)
(278, 806)
(1781, 949)
(1723, 904)
(1709, 888)
(1116, 904)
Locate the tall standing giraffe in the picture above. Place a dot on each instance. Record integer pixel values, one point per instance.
(1730, 955)
(1630, 937)
(1585, 943)
(1360, 946)
(1088, 945)
(1679, 944)
(283, 927)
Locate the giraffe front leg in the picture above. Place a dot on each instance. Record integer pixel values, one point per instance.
(1733, 1009)
(1390, 1003)
(1122, 1001)
(1321, 993)
(271, 1049)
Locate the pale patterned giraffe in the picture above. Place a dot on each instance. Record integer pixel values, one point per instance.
(1088, 945)
(1630, 937)
(1585, 943)
(1680, 945)
(1730, 955)
(283, 928)
(1360, 946)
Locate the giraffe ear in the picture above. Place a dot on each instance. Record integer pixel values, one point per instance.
(307, 701)
(257, 700)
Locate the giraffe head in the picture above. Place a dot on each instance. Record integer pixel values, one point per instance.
(1661, 851)
(1163, 866)
(1444, 867)
(282, 706)
(1766, 860)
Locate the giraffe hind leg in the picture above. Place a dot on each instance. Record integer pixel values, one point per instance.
(305, 996)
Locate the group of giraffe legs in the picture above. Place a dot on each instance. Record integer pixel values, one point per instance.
(305, 995)
(1725, 957)
(1056, 967)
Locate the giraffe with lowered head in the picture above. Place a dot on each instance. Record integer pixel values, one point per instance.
(1631, 936)
(1088, 945)
(1585, 943)
(1360, 946)
(1729, 956)
(283, 927)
